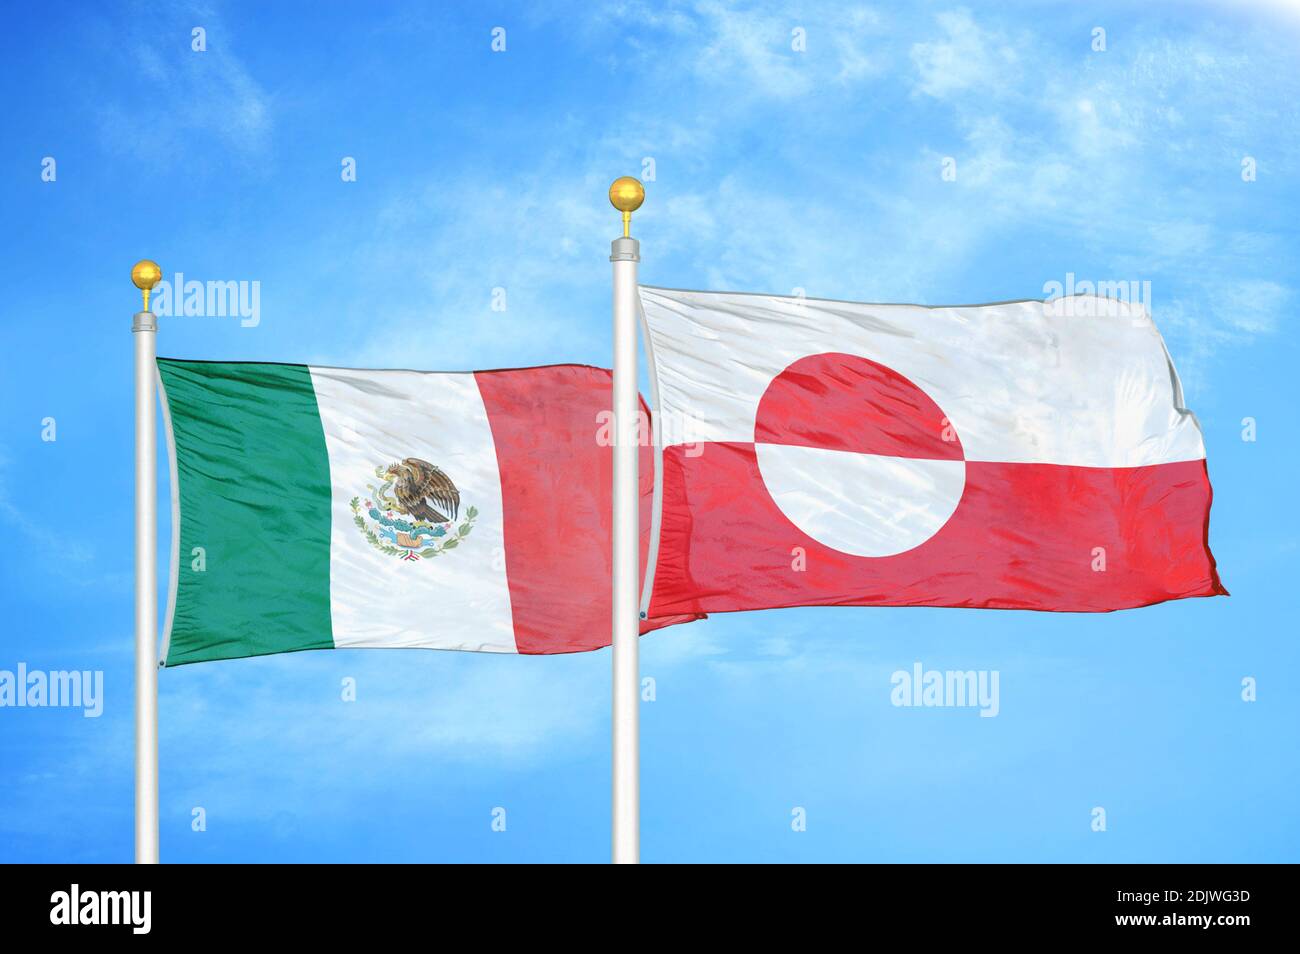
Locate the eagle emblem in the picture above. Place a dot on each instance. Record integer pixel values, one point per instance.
(414, 512)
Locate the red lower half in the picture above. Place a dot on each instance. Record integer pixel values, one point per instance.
(1025, 536)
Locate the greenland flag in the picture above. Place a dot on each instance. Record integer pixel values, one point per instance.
(331, 508)
(1025, 455)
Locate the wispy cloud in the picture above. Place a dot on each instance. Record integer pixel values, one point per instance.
(184, 103)
(965, 58)
(754, 51)
(1060, 139)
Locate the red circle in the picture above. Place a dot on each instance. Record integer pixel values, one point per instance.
(850, 403)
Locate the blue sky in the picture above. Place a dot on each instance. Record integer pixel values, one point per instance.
(774, 169)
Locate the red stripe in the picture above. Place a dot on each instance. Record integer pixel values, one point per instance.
(556, 489)
(1023, 537)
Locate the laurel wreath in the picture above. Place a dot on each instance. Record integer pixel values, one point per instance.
(449, 542)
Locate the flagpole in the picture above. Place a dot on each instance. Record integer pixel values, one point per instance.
(144, 328)
(626, 195)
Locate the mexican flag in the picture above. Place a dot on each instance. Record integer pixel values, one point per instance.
(321, 508)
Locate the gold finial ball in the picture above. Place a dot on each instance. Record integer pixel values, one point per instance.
(626, 194)
(145, 274)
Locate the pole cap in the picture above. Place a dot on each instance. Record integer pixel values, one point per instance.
(626, 194)
(145, 274)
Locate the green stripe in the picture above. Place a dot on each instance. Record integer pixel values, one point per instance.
(254, 480)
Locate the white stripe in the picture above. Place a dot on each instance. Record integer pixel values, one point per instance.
(459, 599)
(1086, 382)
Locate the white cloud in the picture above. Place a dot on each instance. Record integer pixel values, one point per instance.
(966, 58)
(747, 50)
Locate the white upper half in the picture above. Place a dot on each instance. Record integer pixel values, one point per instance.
(1080, 381)
(455, 600)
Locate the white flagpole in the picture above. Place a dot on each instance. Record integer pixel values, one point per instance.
(626, 195)
(144, 328)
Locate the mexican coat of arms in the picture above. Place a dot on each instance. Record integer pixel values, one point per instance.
(414, 512)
